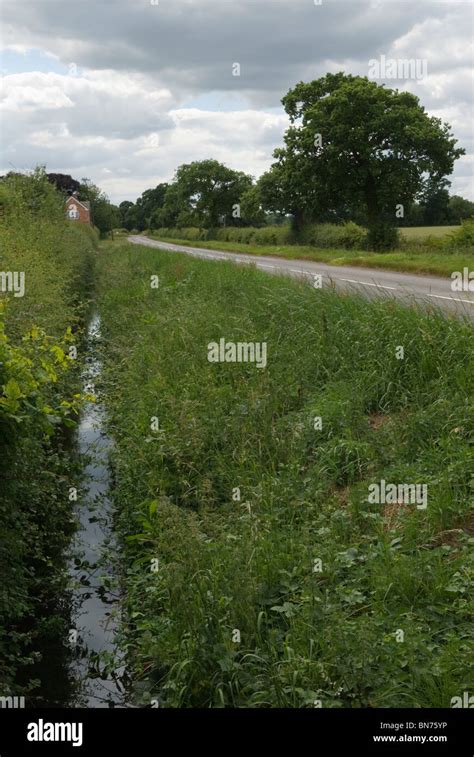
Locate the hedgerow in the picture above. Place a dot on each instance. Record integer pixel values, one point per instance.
(39, 402)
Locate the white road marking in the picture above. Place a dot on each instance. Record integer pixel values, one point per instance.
(366, 283)
(454, 299)
(299, 270)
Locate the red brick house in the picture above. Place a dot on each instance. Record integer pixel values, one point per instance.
(78, 210)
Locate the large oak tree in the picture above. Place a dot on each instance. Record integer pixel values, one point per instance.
(354, 143)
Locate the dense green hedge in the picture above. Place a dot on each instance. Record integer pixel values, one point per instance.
(349, 235)
(462, 238)
(346, 236)
(243, 234)
(248, 235)
(38, 381)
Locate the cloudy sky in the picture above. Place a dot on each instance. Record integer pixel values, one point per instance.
(124, 91)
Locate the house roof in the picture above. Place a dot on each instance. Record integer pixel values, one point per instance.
(85, 203)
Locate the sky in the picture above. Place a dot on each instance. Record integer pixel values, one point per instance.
(125, 91)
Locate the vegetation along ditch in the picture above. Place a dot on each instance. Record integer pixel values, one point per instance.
(58, 597)
(195, 466)
(263, 563)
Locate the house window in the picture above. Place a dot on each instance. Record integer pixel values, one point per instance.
(73, 211)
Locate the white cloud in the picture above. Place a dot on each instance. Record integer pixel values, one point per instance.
(32, 92)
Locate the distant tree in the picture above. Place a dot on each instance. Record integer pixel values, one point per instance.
(252, 213)
(104, 215)
(167, 215)
(64, 182)
(150, 201)
(142, 214)
(204, 193)
(127, 215)
(434, 202)
(352, 142)
(413, 215)
(459, 209)
(275, 191)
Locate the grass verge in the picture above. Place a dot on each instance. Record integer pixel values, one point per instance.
(256, 571)
(437, 264)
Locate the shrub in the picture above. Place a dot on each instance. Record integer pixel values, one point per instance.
(382, 236)
(37, 387)
(462, 238)
(349, 235)
(191, 233)
(266, 235)
(274, 235)
(240, 234)
(56, 255)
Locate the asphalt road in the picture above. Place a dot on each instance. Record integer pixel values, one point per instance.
(372, 282)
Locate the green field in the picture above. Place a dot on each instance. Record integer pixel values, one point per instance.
(413, 261)
(424, 232)
(256, 572)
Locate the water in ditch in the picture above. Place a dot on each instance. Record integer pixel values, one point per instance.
(79, 663)
(96, 668)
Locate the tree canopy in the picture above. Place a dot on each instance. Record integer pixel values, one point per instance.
(355, 150)
(104, 215)
(204, 193)
(354, 143)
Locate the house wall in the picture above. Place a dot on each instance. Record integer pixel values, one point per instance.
(84, 214)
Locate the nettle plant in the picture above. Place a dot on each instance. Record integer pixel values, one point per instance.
(28, 372)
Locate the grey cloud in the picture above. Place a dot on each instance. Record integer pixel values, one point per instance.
(192, 45)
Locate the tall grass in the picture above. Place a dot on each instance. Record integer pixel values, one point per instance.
(226, 602)
(451, 254)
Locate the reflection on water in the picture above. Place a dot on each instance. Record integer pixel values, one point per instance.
(97, 666)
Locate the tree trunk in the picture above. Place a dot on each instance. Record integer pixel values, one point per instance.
(298, 221)
(371, 200)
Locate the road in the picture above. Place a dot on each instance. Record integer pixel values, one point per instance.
(371, 282)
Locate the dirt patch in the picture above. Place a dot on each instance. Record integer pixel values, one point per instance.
(453, 536)
(377, 420)
(450, 538)
(392, 515)
(468, 525)
(342, 494)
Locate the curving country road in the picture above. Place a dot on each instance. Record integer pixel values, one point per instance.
(372, 282)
